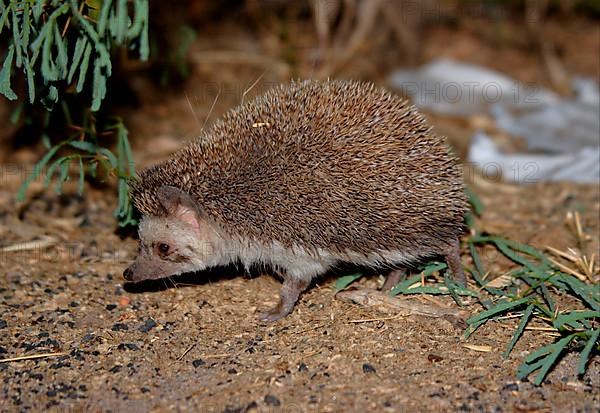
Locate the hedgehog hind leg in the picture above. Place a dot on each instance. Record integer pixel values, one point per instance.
(452, 255)
(393, 278)
(288, 296)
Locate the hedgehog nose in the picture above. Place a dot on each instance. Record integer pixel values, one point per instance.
(128, 274)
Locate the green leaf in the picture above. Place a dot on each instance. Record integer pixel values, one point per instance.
(84, 67)
(101, 26)
(29, 73)
(5, 88)
(432, 267)
(87, 27)
(26, 27)
(84, 146)
(585, 353)
(139, 17)
(571, 317)
(36, 172)
(4, 17)
(144, 43)
(345, 281)
(403, 286)
(49, 70)
(51, 169)
(501, 307)
(93, 169)
(17, 40)
(61, 57)
(51, 98)
(451, 285)
(38, 8)
(520, 328)
(77, 55)
(582, 290)
(476, 261)
(557, 350)
(122, 191)
(46, 141)
(64, 174)
(122, 21)
(16, 114)
(99, 87)
(38, 42)
(110, 156)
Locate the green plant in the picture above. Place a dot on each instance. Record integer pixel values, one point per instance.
(536, 282)
(54, 40)
(90, 159)
(63, 48)
(534, 285)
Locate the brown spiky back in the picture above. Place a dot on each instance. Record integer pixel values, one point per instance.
(338, 165)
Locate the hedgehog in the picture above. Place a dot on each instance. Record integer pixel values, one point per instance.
(305, 178)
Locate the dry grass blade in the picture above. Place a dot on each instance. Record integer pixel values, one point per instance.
(32, 357)
(480, 348)
(585, 268)
(187, 350)
(30, 245)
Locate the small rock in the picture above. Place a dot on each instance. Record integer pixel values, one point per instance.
(198, 363)
(368, 369)
(116, 369)
(145, 390)
(3, 323)
(511, 387)
(128, 346)
(271, 400)
(434, 358)
(148, 325)
(120, 327)
(88, 337)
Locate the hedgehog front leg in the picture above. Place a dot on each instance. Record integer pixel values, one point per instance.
(452, 255)
(289, 294)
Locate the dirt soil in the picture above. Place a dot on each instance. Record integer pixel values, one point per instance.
(194, 343)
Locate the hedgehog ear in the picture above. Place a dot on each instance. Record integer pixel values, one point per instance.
(179, 204)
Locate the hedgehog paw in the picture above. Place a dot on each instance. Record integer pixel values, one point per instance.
(290, 291)
(274, 314)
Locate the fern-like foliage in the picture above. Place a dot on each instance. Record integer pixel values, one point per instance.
(60, 45)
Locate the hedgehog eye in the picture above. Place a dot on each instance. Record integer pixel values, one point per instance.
(163, 249)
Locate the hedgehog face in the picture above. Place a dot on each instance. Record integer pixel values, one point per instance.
(176, 243)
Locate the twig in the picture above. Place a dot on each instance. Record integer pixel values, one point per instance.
(368, 320)
(31, 245)
(31, 357)
(186, 351)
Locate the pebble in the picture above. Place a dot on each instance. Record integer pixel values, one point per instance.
(120, 327)
(148, 325)
(368, 369)
(271, 400)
